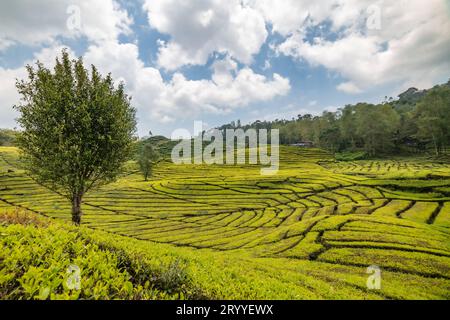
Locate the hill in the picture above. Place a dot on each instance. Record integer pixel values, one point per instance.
(310, 232)
(415, 123)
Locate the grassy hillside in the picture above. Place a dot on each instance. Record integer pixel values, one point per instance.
(309, 232)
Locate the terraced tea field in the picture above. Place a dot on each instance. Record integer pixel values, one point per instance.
(308, 232)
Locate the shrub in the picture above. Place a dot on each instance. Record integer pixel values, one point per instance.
(351, 156)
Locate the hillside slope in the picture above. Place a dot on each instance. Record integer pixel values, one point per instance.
(310, 232)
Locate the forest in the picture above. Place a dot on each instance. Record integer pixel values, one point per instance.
(417, 122)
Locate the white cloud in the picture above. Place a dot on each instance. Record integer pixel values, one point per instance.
(8, 92)
(348, 87)
(331, 109)
(179, 97)
(157, 99)
(287, 112)
(290, 15)
(40, 22)
(4, 43)
(411, 47)
(200, 28)
(9, 95)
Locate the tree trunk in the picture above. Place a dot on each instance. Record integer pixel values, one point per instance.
(436, 148)
(76, 208)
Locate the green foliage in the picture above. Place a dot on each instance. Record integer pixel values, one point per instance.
(35, 263)
(77, 127)
(226, 232)
(433, 118)
(414, 122)
(147, 157)
(36, 257)
(351, 156)
(376, 126)
(23, 217)
(8, 137)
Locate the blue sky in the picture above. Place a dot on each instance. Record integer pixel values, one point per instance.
(219, 61)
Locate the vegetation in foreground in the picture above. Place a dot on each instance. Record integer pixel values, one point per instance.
(37, 254)
(226, 232)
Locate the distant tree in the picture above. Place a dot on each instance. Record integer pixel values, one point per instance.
(327, 133)
(147, 157)
(305, 128)
(348, 127)
(376, 125)
(433, 117)
(78, 128)
(7, 137)
(330, 139)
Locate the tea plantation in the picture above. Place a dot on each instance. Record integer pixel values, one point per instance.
(227, 232)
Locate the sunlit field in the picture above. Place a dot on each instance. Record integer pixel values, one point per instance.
(309, 232)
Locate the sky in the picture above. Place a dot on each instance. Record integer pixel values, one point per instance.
(219, 61)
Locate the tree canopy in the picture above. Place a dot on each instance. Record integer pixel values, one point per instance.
(77, 127)
(147, 156)
(416, 121)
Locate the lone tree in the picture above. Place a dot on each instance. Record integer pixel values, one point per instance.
(147, 156)
(78, 128)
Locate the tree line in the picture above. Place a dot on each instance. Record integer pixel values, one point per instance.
(418, 121)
